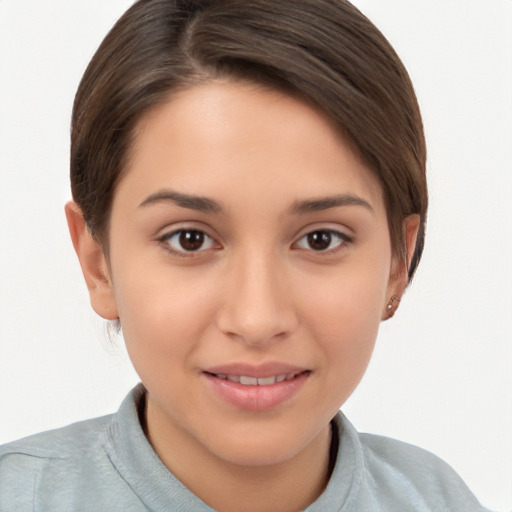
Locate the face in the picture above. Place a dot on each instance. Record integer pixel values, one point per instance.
(250, 266)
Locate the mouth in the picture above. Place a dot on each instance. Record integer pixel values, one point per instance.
(256, 388)
(258, 381)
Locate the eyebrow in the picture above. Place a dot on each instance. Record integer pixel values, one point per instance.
(201, 204)
(206, 205)
(325, 203)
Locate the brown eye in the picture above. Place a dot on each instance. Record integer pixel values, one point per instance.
(191, 240)
(323, 240)
(188, 240)
(319, 240)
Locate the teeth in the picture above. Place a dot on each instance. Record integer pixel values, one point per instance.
(266, 381)
(255, 381)
(248, 381)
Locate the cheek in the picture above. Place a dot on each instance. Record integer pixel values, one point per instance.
(348, 300)
(343, 315)
(347, 330)
(347, 339)
(163, 315)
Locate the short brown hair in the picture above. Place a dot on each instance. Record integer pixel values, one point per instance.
(323, 51)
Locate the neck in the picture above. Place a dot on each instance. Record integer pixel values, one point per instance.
(289, 485)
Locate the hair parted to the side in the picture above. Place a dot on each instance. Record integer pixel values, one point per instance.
(323, 51)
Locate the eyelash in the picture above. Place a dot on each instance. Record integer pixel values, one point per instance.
(166, 240)
(342, 238)
(327, 236)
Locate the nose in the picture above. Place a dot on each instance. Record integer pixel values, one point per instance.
(258, 306)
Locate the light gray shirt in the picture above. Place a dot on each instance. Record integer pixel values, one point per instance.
(107, 464)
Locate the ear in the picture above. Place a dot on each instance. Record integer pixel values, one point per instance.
(93, 262)
(400, 269)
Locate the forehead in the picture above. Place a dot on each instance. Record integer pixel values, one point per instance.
(225, 137)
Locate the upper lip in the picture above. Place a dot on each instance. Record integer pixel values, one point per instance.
(269, 369)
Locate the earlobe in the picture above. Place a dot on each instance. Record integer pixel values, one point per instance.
(400, 272)
(93, 262)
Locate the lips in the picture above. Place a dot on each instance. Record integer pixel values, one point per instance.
(256, 388)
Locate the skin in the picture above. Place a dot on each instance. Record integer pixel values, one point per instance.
(254, 292)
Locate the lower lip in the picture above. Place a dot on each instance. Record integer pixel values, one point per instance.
(256, 398)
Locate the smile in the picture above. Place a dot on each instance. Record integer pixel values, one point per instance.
(257, 381)
(256, 388)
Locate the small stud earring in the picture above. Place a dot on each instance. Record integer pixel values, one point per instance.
(391, 305)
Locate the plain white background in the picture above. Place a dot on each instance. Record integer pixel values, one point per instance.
(441, 374)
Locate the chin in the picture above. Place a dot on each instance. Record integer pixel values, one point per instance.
(262, 446)
(256, 455)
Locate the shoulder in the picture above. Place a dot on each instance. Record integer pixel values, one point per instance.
(393, 475)
(417, 472)
(41, 462)
(398, 454)
(60, 443)
(73, 468)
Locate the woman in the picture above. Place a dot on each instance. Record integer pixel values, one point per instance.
(249, 204)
